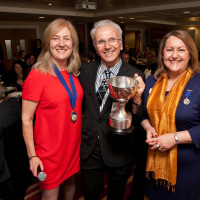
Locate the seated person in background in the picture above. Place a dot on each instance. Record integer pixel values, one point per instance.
(12, 151)
(149, 56)
(29, 61)
(22, 55)
(4, 171)
(125, 56)
(91, 55)
(18, 74)
(149, 53)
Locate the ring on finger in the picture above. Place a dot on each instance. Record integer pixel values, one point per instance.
(157, 145)
(159, 149)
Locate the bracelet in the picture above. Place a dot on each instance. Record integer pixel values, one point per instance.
(32, 157)
(176, 138)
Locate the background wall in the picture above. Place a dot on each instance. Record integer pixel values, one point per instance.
(130, 38)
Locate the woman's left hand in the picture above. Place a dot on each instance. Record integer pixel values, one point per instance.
(163, 142)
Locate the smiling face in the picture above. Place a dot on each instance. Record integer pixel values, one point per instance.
(61, 47)
(175, 56)
(109, 53)
(18, 68)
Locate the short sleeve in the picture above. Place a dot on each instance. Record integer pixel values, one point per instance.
(33, 86)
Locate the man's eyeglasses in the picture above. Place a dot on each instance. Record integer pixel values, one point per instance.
(111, 41)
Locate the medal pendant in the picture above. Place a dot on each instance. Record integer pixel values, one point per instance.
(186, 101)
(73, 116)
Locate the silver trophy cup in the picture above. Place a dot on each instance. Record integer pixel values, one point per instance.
(122, 89)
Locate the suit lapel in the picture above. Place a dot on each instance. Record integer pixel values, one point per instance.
(123, 71)
(93, 91)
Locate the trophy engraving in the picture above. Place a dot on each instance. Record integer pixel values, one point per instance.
(122, 89)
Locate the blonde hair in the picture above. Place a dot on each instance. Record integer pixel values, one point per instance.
(190, 45)
(44, 62)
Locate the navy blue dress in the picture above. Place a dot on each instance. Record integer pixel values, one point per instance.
(188, 164)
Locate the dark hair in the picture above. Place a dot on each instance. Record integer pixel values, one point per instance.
(19, 62)
(39, 41)
(22, 64)
(124, 52)
(190, 45)
(20, 52)
(147, 46)
(28, 56)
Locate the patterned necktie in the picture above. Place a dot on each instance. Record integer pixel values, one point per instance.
(103, 88)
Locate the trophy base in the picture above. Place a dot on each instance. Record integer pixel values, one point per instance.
(112, 130)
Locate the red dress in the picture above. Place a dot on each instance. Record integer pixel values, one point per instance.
(57, 139)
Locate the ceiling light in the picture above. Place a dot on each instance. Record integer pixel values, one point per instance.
(132, 18)
(50, 4)
(41, 17)
(186, 12)
(121, 17)
(121, 22)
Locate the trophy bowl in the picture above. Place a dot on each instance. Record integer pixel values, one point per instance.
(122, 89)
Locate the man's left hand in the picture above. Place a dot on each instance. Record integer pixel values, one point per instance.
(140, 89)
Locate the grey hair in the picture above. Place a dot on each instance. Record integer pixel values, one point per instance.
(2, 92)
(105, 23)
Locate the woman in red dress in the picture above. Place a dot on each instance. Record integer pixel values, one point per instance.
(53, 94)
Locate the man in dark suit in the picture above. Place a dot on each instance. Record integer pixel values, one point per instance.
(102, 151)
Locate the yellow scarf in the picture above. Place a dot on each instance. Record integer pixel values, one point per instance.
(161, 111)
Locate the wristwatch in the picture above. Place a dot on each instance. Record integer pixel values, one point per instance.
(176, 138)
(139, 103)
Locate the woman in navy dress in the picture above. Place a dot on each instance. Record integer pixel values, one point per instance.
(172, 121)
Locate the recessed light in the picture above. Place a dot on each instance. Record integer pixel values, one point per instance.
(122, 22)
(121, 17)
(41, 17)
(50, 4)
(132, 18)
(186, 12)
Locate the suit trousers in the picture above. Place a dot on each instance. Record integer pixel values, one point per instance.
(93, 169)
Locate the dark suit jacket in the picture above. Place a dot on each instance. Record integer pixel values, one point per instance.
(116, 150)
(14, 161)
(10, 112)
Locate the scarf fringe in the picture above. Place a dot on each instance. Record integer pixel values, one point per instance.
(161, 182)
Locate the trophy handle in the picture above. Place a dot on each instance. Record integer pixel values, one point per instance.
(108, 89)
